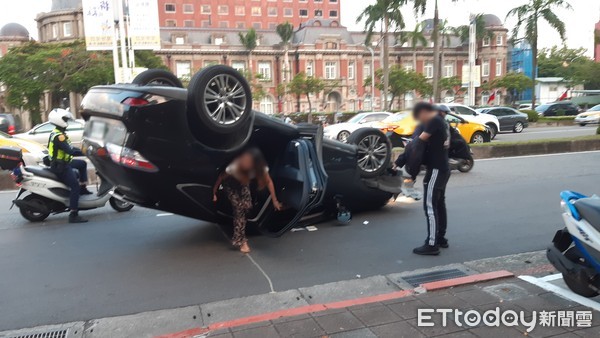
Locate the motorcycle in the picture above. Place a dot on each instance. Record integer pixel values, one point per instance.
(47, 194)
(575, 250)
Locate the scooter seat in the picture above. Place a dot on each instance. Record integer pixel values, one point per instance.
(42, 172)
(589, 208)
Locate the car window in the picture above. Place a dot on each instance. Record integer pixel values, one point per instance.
(542, 108)
(374, 118)
(463, 110)
(495, 112)
(44, 128)
(595, 108)
(395, 117)
(357, 118)
(74, 125)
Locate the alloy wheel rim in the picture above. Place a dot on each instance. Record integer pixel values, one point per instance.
(478, 139)
(343, 137)
(225, 99)
(519, 127)
(371, 153)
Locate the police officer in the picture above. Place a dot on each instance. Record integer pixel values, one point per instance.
(62, 163)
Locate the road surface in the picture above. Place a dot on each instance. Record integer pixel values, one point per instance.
(145, 260)
(530, 134)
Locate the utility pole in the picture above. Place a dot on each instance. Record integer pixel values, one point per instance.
(472, 58)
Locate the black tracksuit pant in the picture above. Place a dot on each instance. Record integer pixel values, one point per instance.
(434, 202)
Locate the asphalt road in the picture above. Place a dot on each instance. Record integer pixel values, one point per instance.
(546, 133)
(143, 260)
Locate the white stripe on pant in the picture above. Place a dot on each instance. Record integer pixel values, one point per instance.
(430, 211)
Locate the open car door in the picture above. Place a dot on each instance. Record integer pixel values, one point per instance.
(300, 180)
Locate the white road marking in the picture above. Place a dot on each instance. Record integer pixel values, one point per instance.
(554, 131)
(534, 156)
(263, 272)
(552, 277)
(164, 215)
(564, 293)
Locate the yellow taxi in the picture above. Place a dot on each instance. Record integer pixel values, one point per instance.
(33, 153)
(402, 125)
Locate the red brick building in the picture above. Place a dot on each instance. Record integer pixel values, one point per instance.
(243, 14)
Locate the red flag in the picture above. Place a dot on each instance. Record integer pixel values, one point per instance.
(563, 96)
(492, 98)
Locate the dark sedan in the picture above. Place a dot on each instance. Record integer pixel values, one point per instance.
(509, 118)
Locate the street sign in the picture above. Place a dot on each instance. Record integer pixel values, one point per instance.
(98, 22)
(476, 76)
(143, 26)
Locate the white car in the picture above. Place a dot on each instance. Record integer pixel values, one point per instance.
(41, 133)
(470, 114)
(341, 131)
(591, 116)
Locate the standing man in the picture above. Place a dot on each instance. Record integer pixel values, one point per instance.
(61, 153)
(436, 136)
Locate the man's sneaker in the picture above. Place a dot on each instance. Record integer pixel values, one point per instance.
(427, 250)
(443, 243)
(75, 218)
(83, 190)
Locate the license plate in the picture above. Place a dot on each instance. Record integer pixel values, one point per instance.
(98, 130)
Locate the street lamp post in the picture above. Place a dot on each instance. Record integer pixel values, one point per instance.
(372, 76)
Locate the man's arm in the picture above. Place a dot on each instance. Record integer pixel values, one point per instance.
(434, 126)
(62, 144)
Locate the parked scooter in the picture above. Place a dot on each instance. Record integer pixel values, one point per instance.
(47, 194)
(575, 250)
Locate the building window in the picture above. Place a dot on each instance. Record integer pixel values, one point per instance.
(485, 68)
(448, 70)
(333, 14)
(272, 11)
(223, 10)
(223, 24)
(428, 70)
(183, 69)
(54, 30)
(288, 12)
(257, 25)
(499, 40)
(205, 9)
(331, 45)
(188, 8)
(240, 66)
(179, 40)
(351, 70)
(188, 23)
(486, 41)
(256, 11)
(309, 68)
(318, 13)
(264, 69)
(240, 10)
(240, 24)
(303, 13)
(498, 67)
(67, 29)
(205, 23)
(218, 40)
(331, 70)
(171, 23)
(366, 72)
(408, 66)
(266, 105)
(170, 8)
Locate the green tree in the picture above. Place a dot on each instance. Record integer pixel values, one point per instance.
(529, 16)
(450, 83)
(31, 69)
(306, 85)
(401, 82)
(147, 59)
(285, 32)
(514, 83)
(414, 38)
(570, 64)
(250, 41)
(481, 30)
(388, 14)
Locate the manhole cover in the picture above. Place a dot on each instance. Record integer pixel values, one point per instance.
(418, 279)
(43, 334)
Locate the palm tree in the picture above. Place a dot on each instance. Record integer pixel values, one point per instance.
(285, 32)
(528, 16)
(415, 38)
(386, 12)
(481, 30)
(250, 41)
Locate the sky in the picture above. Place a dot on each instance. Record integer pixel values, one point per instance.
(579, 21)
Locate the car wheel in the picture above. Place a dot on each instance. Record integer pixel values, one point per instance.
(478, 138)
(583, 124)
(466, 165)
(220, 99)
(343, 136)
(120, 206)
(374, 151)
(34, 214)
(518, 127)
(157, 77)
(493, 130)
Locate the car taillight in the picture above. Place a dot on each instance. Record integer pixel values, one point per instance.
(11, 130)
(130, 158)
(135, 102)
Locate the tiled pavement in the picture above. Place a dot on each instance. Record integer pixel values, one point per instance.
(398, 317)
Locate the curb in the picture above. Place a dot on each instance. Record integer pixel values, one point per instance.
(315, 308)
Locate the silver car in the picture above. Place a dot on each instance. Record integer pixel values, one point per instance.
(41, 133)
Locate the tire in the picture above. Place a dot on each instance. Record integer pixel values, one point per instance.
(493, 130)
(374, 151)
(518, 128)
(583, 124)
(31, 215)
(578, 287)
(478, 137)
(120, 206)
(343, 136)
(157, 77)
(467, 165)
(220, 100)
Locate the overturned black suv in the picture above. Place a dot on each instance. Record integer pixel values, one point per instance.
(163, 147)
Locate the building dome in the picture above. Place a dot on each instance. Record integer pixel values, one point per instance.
(427, 25)
(61, 5)
(491, 20)
(14, 30)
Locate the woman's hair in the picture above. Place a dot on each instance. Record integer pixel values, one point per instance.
(260, 167)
